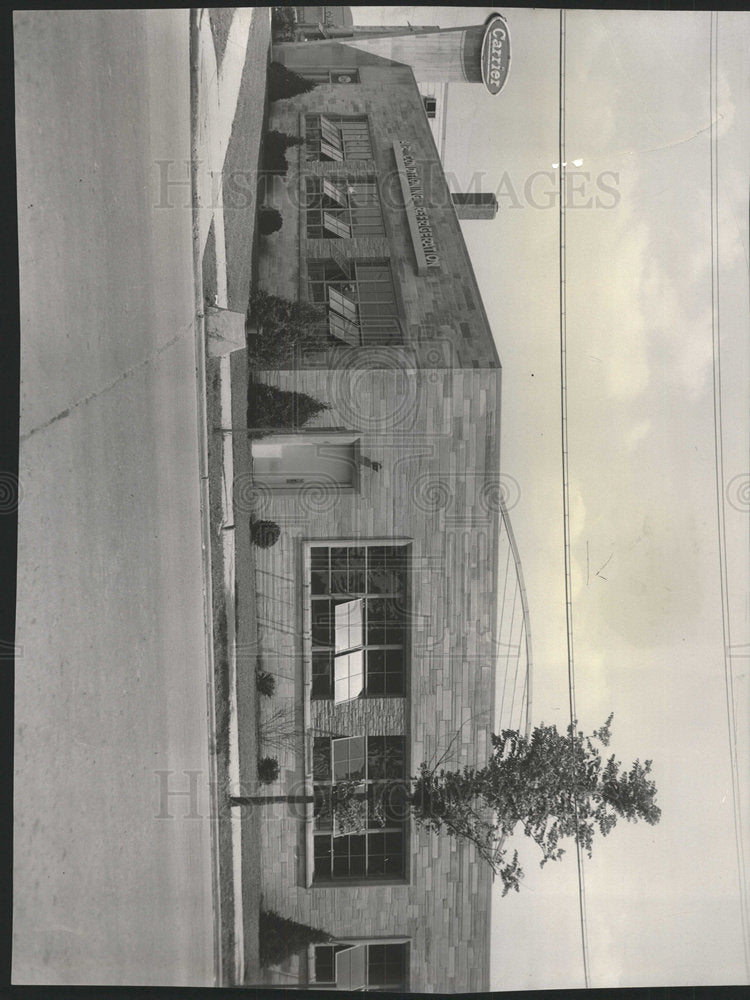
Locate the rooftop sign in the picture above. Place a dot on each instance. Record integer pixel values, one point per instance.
(495, 58)
(420, 228)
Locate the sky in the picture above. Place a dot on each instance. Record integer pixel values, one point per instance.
(663, 903)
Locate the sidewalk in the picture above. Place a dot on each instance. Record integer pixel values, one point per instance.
(229, 71)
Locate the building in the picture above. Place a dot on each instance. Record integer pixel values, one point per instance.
(378, 605)
(475, 204)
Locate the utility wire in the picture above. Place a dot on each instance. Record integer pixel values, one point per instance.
(566, 490)
(719, 470)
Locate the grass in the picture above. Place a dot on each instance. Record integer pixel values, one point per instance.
(209, 267)
(221, 20)
(242, 179)
(221, 667)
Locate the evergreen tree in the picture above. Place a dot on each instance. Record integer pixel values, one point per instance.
(284, 83)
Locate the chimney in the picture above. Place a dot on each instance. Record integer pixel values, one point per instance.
(475, 205)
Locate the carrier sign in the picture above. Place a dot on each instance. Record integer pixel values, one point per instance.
(495, 54)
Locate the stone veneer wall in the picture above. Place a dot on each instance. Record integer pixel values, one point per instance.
(437, 487)
(429, 412)
(446, 324)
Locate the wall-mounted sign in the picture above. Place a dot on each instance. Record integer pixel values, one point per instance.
(410, 177)
(495, 54)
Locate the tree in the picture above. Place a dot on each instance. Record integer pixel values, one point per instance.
(269, 221)
(555, 785)
(276, 327)
(275, 145)
(280, 938)
(270, 407)
(284, 83)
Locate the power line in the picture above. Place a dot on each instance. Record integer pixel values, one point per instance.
(566, 491)
(719, 479)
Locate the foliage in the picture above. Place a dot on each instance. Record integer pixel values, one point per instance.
(275, 145)
(284, 83)
(265, 683)
(555, 785)
(276, 326)
(280, 938)
(270, 407)
(283, 17)
(264, 534)
(268, 770)
(269, 221)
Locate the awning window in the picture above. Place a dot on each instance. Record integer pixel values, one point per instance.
(334, 193)
(351, 968)
(331, 144)
(336, 226)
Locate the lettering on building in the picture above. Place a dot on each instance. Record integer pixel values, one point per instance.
(414, 180)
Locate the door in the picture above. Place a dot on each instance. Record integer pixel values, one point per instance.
(291, 463)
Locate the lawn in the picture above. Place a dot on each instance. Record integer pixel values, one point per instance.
(241, 173)
(221, 20)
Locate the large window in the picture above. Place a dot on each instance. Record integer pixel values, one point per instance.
(337, 138)
(367, 838)
(342, 207)
(359, 296)
(358, 621)
(368, 965)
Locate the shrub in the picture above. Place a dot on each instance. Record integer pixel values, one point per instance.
(264, 533)
(270, 407)
(269, 221)
(273, 311)
(284, 83)
(268, 770)
(283, 18)
(265, 683)
(280, 938)
(275, 327)
(275, 145)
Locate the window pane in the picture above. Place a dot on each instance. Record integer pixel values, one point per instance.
(349, 625)
(330, 152)
(321, 675)
(322, 758)
(324, 967)
(385, 621)
(348, 677)
(343, 329)
(385, 757)
(322, 622)
(322, 808)
(334, 193)
(341, 303)
(330, 132)
(348, 758)
(386, 965)
(322, 854)
(336, 226)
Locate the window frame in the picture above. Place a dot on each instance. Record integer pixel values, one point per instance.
(377, 314)
(339, 147)
(321, 984)
(343, 207)
(396, 561)
(323, 75)
(305, 545)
